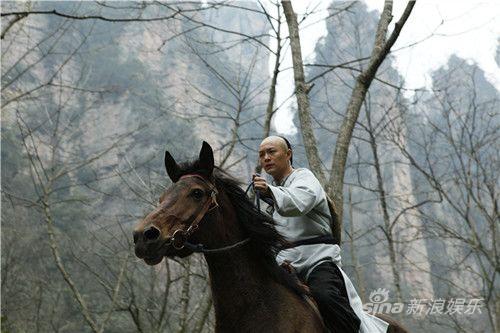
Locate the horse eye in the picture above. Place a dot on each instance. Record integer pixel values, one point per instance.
(197, 194)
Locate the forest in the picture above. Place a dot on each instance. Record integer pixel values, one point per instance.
(94, 92)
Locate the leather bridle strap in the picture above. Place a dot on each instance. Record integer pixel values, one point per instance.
(200, 248)
(179, 237)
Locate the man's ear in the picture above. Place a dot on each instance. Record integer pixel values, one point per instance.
(206, 159)
(173, 169)
(289, 152)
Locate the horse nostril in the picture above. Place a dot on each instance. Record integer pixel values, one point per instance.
(152, 233)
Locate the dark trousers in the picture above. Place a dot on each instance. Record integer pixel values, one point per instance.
(328, 290)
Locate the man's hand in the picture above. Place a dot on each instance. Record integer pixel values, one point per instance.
(260, 184)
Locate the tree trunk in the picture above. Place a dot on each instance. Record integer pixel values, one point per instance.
(385, 211)
(301, 91)
(358, 269)
(380, 50)
(186, 284)
(272, 91)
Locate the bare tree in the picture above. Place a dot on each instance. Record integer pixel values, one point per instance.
(451, 150)
(68, 163)
(380, 51)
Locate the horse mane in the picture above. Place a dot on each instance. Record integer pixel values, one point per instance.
(266, 241)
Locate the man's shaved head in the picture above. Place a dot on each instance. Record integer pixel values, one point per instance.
(275, 156)
(278, 140)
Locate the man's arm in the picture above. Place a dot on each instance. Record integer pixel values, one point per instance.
(296, 200)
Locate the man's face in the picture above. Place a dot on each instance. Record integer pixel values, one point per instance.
(274, 156)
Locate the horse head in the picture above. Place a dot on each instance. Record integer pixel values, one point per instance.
(182, 208)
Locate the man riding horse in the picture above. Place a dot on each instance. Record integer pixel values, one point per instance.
(301, 213)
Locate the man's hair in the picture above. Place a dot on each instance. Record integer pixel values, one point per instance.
(289, 146)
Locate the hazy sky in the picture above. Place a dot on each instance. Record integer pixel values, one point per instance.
(468, 28)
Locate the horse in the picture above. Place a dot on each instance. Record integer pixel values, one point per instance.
(205, 210)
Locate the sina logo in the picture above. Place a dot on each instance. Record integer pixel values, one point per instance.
(380, 295)
(378, 303)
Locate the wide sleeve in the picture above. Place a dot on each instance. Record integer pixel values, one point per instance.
(303, 194)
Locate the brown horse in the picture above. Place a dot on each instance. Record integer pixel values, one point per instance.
(206, 211)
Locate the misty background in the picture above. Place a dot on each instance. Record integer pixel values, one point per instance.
(89, 107)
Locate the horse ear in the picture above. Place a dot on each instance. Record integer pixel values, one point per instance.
(207, 158)
(173, 169)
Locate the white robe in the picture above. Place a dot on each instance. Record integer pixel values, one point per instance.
(300, 208)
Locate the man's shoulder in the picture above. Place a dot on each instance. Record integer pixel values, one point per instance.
(303, 173)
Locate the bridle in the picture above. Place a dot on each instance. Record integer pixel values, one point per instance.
(179, 238)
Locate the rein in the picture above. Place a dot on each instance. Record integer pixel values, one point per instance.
(179, 238)
(257, 193)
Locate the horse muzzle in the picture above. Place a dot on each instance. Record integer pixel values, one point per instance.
(148, 245)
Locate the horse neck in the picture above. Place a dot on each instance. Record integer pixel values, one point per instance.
(236, 275)
(239, 279)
